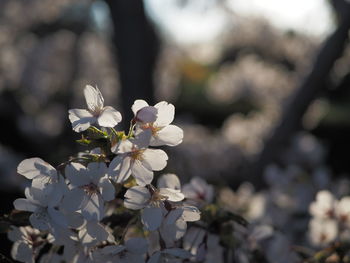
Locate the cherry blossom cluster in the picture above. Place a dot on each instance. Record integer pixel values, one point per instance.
(101, 206)
(330, 219)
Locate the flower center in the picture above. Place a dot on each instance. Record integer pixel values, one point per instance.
(151, 126)
(136, 154)
(90, 189)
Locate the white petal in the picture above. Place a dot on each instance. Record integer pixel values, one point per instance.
(170, 135)
(81, 119)
(76, 174)
(173, 195)
(147, 114)
(39, 220)
(169, 181)
(166, 112)
(112, 249)
(137, 245)
(57, 217)
(120, 168)
(190, 213)
(137, 197)
(124, 146)
(173, 216)
(93, 97)
(74, 219)
(142, 139)
(138, 104)
(142, 175)
(106, 189)
(155, 258)
(21, 251)
(177, 252)
(97, 231)
(15, 234)
(151, 218)
(73, 200)
(34, 167)
(109, 117)
(25, 205)
(95, 171)
(93, 207)
(55, 195)
(154, 159)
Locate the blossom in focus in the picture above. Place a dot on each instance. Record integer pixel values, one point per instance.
(134, 158)
(42, 203)
(90, 187)
(163, 132)
(105, 116)
(152, 202)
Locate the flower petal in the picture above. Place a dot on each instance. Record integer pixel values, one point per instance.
(92, 207)
(39, 220)
(22, 252)
(34, 167)
(106, 189)
(147, 114)
(138, 105)
(137, 197)
(97, 231)
(169, 181)
(173, 195)
(109, 117)
(95, 171)
(154, 159)
(142, 175)
(81, 119)
(25, 205)
(136, 245)
(76, 174)
(166, 112)
(57, 217)
(120, 168)
(170, 135)
(93, 97)
(152, 217)
(73, 200)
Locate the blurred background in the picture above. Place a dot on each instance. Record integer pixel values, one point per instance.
(253, 82)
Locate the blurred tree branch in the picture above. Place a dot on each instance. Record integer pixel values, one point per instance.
(312, 85)
(136, 48)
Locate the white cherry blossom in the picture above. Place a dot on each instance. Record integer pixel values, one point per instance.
(134, 158)
(342, 211)
(42, 203)
(322, 231)
(105, 116)
(324, 205)
(163, 132)
(198, 190)
(174, 225)
(90, 187)
(27, 243)
(151, 200)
